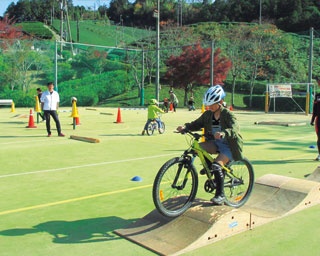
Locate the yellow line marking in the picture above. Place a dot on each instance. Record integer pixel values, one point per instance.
(71, 200)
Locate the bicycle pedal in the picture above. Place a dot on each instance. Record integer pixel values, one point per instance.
(202, 171)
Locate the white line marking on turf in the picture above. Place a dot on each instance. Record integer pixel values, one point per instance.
(28, 141)
(82, 166)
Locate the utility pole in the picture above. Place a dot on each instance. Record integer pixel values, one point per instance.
(64, 15)
(179, 13)
(310, 71)
(212, 63)
(260, 6)
(156, 14)
(61, 24)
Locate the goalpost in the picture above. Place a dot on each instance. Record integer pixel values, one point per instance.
(284, 90)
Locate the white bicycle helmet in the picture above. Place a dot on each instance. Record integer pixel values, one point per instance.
(214, 95)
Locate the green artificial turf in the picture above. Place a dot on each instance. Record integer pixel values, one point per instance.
(65, 197)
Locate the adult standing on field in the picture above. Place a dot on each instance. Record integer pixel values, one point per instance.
(316, 119)
(49, 104)
(173, 100)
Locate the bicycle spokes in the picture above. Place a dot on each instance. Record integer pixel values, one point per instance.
(175, 187)
(238, 183)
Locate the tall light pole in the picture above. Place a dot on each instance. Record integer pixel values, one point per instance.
(260, 12)
(156, 14)
(179, 13)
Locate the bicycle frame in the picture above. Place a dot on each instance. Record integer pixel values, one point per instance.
(176, 184)
(203, 155)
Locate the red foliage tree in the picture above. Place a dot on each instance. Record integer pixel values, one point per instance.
(193, 67)
(8, 31)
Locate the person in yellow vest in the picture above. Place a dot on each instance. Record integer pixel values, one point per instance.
(41, 114)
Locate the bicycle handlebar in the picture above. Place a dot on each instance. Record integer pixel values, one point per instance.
(196, 136)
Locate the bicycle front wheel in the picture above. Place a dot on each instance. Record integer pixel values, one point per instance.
(238, 184)
(151, 128)
(163, 128)
(175, 187)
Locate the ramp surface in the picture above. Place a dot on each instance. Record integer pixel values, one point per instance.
(273, 197)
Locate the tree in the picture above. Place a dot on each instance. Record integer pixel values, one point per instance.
(118, 9)
(193, 67)
(8, 29)
(22, 59)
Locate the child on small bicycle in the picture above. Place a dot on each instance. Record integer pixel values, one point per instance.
(153, 111)
(222, 136)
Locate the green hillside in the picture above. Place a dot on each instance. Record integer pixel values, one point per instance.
(100, 33)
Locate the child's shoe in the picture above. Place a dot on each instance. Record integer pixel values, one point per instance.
(218, 200)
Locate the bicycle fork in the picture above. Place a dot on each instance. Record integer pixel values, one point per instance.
(187, 162)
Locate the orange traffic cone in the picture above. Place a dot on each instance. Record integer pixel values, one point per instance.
(231, 108)
(31, 121)
(171, 107)
(119, 117)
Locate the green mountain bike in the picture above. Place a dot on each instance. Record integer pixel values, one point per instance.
(176, 183)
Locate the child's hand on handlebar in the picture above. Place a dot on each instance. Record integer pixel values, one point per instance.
(180, 129)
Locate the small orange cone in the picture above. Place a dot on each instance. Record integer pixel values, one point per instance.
(231, 108)
(171, 107)
(31, 121)
(119, 117)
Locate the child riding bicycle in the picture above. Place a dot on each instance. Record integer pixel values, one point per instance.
(222, 136)
(153, 111)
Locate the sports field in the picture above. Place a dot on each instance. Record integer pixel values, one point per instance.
(65, 197)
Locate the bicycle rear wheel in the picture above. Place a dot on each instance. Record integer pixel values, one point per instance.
(239, 183)
(175, 187)
(163, 128)
(151, 127)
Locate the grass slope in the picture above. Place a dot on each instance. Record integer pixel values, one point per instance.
(100, 33)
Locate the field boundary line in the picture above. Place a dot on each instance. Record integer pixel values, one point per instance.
(72, 200)
(82, 166)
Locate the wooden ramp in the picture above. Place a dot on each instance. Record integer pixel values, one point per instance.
(273, 197)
